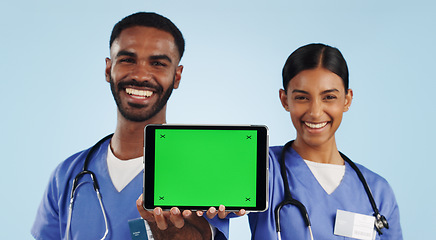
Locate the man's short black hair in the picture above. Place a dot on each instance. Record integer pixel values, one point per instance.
(149, 19)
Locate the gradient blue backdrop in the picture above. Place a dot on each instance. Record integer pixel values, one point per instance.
(55, 100)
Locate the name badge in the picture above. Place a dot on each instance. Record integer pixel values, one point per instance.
(354, 225)
(138, 230)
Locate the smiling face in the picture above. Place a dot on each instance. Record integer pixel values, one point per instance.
(316, 100)
(142, 71)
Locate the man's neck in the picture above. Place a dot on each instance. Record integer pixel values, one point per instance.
(128, 140)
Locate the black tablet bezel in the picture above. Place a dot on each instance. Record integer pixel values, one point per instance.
(262, 165)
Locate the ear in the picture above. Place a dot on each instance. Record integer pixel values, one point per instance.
(284, 99)
(178, 76)
(108, 69)
(348, 100)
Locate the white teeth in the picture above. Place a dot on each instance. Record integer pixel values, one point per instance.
(139, 93)
(315, 125)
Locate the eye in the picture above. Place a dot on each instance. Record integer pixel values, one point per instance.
(158, 64)
(301, 98)
(330, 97)
(127, 60)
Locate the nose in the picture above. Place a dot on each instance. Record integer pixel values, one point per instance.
(141, 73)
(316, 109)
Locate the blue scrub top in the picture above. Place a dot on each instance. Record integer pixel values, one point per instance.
(87, 219)
(349, 196)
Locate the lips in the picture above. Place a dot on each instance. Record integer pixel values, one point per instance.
(140, 90)
(139, 93)
(315, 125)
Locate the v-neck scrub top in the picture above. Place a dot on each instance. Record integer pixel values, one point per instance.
(87, 219)
(350, 196)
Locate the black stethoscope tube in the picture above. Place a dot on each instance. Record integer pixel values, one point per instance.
(288, 196)
(88, 156)
(381, 221)
(85, 168)
(95, 184)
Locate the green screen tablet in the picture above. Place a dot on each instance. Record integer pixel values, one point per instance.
(198, 166)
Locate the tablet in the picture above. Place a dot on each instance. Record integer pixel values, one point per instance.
(199, 166)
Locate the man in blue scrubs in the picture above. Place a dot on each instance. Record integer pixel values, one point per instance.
(143, 69)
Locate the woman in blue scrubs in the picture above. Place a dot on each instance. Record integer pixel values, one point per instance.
(316, 94)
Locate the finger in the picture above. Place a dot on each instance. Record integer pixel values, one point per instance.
(176, 218)
(160, 219)
(200, 213)
(148, 216)
(240, 212)
(222, 212)
(187, 213)
(211, 213)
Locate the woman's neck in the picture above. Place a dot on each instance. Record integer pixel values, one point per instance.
(323, 153)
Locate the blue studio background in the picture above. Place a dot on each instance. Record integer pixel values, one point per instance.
(55, 100)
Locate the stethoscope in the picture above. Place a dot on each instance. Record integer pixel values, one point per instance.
(380, 220)
(76, 184)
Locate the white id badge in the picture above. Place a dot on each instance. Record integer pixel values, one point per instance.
(354, 225)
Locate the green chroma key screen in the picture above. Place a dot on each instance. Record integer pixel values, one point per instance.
(199, 168)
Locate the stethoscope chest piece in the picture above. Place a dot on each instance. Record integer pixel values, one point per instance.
(380, 223)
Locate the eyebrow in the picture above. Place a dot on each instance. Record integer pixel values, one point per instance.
(126, 53)
(153, 57)
(299, 91)
(330, 91)
(160, 57)
(323, 92)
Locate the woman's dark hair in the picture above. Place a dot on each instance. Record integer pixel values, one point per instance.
(149, 19)
(312, 56)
